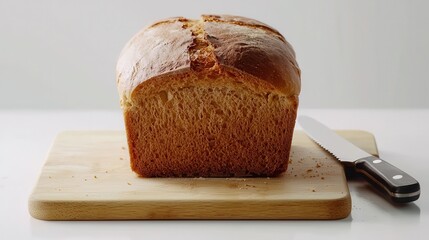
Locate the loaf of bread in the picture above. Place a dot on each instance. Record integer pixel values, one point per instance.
(214, 97)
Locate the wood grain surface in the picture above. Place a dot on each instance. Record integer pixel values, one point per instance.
(87, 177)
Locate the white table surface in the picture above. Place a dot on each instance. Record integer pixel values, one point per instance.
(402, 138)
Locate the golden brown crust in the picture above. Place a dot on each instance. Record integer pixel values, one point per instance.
(256, 52)
(239, 43)
(241, 21)
(157, 50)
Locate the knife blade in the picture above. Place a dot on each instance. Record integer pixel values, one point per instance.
(396, 184)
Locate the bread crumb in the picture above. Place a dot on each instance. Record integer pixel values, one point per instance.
(313, 190)
(323, 178)
(128, 183)
(49, 177)
(121, 158)
(95, 176)
(309, 170)
(295, 175)
(123, 148)
(72, 176)
(318, 165)
(106, 171)
(86, 179)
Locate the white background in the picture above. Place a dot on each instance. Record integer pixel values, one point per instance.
(353, 54)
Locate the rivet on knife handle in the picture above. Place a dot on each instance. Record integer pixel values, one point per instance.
(400, 186)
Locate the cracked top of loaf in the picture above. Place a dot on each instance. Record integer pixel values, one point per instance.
(212, 45)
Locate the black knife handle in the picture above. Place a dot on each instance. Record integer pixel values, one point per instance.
(397, 184)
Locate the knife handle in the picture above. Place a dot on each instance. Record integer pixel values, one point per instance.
(397, 184)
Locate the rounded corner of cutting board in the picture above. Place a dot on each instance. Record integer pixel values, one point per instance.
(342, 207)
(37, 209)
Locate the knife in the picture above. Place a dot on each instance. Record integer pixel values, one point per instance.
(396, 184)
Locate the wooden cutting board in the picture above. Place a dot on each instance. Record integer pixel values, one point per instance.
(87, 177)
